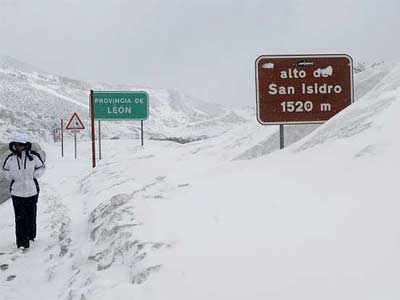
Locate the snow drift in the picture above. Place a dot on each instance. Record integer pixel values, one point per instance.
(317, 220)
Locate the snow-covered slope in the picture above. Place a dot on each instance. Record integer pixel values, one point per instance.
(318, 220)
(252, 140)
(34, 101)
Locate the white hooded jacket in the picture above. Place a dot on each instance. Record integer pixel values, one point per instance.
(23, 171)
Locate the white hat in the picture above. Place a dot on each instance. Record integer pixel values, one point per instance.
(22, 138)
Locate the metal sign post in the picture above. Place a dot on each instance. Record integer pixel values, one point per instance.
(91, 100)
(57, 134)
(141, 123)
(281, 137)
(99, 140)
(62, 138)
(75, 144)
(75, 124)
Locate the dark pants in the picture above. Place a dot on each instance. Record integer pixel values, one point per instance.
(25, 219)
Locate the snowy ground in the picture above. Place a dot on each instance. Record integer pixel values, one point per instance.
(318, 220)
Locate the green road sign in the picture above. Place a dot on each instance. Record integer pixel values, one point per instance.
(120, 105)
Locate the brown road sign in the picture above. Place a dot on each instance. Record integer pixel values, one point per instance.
(302, 89)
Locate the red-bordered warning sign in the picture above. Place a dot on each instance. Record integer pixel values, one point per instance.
(75, 123)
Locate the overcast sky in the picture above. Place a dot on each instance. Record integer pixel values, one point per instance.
(205, 48)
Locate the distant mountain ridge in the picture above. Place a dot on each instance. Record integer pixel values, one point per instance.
(34, 101)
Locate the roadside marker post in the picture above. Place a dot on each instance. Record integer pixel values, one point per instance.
(91, 104)
(75, 124)
(62, 138)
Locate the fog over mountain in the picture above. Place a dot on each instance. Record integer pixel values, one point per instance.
(202, 48)
(36, 101)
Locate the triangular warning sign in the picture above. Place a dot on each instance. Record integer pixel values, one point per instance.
(75, 123)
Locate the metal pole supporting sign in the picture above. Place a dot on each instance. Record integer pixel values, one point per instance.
(142, 130)
(281, 137)
(92, 124)
(99, 140)
(62, 138)
(75, 144)
(75, 124)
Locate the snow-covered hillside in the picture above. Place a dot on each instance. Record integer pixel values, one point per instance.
(214, 220)
(35, 101)
(251, 140)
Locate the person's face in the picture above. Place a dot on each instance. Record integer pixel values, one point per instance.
(19, 147)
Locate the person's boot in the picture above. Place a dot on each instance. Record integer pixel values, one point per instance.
(23, 249)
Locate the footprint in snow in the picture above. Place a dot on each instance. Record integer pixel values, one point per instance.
(11, 277)
(183, 185)
(4, 267)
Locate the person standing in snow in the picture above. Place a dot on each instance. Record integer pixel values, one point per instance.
(23, 167)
